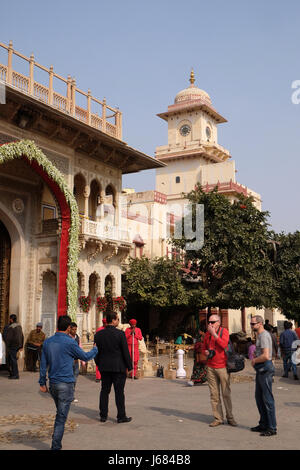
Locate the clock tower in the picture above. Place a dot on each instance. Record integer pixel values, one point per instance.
(193, 150)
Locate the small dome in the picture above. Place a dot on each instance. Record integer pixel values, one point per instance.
(192, 93)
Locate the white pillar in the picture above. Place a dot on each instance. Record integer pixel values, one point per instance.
(180, 373)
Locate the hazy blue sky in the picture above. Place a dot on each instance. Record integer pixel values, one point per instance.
(138, 54)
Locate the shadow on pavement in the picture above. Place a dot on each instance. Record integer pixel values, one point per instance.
(182, 414)
(192, 416)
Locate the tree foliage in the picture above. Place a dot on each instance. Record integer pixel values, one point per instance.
(156, 282)
(232, 268)
(241, 263)
(286, 255)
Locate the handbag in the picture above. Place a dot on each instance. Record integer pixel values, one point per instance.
(235, 361)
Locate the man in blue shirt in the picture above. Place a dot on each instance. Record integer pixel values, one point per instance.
(58, 354)
(286, 340)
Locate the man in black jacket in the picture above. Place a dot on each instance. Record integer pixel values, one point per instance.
(113, 361)
(14, 341)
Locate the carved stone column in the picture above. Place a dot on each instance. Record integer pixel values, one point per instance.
(84, 328)
(86, 195)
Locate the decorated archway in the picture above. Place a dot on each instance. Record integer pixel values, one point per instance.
(68, 254)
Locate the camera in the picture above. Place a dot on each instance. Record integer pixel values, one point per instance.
(211, 353)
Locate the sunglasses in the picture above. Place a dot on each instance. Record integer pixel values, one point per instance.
(216, 321)
(252, 324)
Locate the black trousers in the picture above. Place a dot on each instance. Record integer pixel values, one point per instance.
(13, 362)
(118, 379)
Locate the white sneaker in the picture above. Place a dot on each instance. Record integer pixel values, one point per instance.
(190, 383)
(75, 400)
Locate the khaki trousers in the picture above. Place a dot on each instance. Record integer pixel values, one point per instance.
(219, 378)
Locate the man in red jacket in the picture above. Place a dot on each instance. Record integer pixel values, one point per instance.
(215, 342)
(133, 336)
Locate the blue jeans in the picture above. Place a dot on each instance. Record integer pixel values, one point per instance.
(288, 364)
(75, 371)
(264, 396)
(62, 394)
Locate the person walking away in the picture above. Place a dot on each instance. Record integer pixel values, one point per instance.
(133, 336)
(104, 323)
(264, 368)
(33, 347)
(287, 337)
(215, 342)
(58, 354)
(14, 341)
(113, 360)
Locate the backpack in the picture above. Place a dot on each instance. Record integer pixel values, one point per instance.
(235, 361)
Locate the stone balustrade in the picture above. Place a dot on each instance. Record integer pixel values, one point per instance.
(103, 230)
(111, 125)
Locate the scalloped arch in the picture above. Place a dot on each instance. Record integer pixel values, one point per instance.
(69, 249)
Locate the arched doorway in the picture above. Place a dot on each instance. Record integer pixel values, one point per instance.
(5, 254)
(68, 252)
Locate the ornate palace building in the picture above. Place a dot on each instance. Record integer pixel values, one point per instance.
(84, 142)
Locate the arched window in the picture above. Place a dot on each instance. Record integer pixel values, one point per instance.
(78, 191)
(94, 199)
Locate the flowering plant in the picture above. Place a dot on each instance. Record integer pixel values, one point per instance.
(101, 303)
(119, 302)
(85, 302)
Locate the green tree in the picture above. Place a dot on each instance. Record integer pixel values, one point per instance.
(232, 269)
(286, 258)
(156, 282)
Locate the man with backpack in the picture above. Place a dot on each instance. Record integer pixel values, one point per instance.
(214, 347)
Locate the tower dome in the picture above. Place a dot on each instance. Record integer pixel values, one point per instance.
(192, 93)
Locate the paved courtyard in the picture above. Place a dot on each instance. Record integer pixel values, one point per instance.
(167, 415)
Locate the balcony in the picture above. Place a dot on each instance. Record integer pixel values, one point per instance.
(68, 103)
(104, 238)
(228, 187)
(104, 231)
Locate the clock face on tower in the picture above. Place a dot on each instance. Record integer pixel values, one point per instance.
(185, 130)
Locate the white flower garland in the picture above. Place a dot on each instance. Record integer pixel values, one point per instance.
(28, 148)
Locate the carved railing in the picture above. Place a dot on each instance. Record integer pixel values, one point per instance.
(103, 230)
(111, 124)
(224, 187)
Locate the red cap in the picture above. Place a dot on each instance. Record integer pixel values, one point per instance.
(133, 322)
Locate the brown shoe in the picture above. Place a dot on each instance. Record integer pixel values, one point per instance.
(216, 423)
(231, 422)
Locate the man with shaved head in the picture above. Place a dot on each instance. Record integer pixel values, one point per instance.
(262, 363)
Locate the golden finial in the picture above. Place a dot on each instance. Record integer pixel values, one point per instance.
(192, 77)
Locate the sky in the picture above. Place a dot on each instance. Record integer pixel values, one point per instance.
(138, 55)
